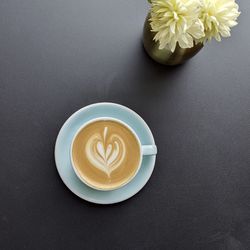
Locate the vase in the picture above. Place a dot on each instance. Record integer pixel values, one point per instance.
(166, 56)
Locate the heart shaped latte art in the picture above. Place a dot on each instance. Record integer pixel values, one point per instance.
(105, 151)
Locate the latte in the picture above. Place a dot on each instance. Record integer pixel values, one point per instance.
(106, 154)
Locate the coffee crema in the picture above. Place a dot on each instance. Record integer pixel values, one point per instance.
(106, 154)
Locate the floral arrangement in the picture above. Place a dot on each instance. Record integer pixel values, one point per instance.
(188, 22)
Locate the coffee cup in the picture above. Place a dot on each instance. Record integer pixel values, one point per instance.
(106, 153)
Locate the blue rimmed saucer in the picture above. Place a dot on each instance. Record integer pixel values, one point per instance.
(62, 155)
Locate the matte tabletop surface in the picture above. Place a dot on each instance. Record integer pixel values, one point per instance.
(57, 56)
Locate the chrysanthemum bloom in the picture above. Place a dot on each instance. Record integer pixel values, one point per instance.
(176, 21)
(218, 16)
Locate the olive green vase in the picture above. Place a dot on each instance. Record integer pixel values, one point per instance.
(165, 56)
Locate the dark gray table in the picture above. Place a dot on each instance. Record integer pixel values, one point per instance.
(57, 56)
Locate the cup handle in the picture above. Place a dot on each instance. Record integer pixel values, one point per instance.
(149, 149)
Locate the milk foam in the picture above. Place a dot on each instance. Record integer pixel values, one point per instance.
(105, 151)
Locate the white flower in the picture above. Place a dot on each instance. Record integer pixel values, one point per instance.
(176, 21)
(218, 16)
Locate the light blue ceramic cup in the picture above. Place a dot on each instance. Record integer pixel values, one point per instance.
(145, 150)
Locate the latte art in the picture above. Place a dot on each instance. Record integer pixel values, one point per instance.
(105, 154)
(105, 151)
